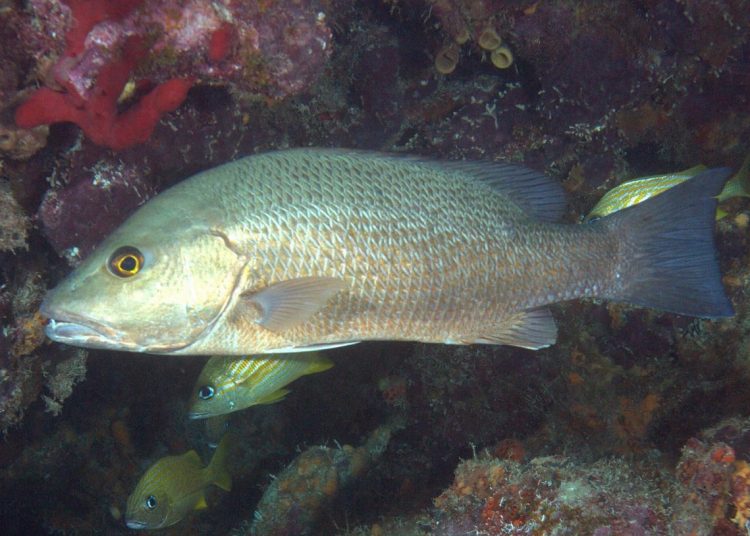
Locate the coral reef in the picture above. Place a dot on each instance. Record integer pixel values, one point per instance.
(97, 115)
(548, 496)
(60, 381)
(14, 224)
(631, 424)
(296, 498)
(113, 189)
(274, 50)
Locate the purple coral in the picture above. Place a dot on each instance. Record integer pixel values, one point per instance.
(75, 218)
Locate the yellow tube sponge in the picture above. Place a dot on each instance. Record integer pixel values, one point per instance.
(489, 40)
(502, 57)
(447, 59)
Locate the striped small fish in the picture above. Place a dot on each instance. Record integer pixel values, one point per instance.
(174, 486)
(638, 190)
(229, 383)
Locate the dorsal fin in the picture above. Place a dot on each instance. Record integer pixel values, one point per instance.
(540, 196)
(537, 194)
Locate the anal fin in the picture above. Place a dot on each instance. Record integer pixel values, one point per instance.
(532, 329)
(201, 504)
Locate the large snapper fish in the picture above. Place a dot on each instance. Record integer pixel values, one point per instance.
(312, 248)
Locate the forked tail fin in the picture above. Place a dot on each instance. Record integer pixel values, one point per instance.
(668, 260)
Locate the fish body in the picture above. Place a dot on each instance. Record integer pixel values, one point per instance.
(229, 383)
(635, 191)
(174, 486)
(310, 248)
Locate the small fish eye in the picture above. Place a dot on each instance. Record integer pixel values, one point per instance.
(206, 392)
(125, 261)
(151, 502)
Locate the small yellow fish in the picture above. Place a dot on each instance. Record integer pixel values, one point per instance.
(174, 486)
(635, 191)
(229, 384)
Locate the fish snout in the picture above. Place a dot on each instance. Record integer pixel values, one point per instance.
(134, 524)
(80, 331)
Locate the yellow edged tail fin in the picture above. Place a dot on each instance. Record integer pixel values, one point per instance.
(217, 468)
(739, 184)
(319, 363)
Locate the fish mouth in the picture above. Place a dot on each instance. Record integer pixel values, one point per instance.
(132, 524)
(198, 415)
(78, 331)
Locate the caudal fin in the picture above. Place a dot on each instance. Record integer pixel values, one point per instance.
(669, 261)
(217, 468)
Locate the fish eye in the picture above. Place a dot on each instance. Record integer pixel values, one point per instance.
(151, 502)
(206, 392)
(126, 261)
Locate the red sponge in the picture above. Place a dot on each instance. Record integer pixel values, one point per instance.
(89, 13)
(98, 117)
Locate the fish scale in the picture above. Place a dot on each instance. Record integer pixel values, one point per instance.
(463, 220)
(308, 248)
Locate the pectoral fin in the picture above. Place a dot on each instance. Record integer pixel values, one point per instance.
(274, 397)
(289, 303)
(532, 329)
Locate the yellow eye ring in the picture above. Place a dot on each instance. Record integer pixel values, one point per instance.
(126, 261)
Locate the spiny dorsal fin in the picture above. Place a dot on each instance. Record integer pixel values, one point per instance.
(193, 458)
(537, 194)
(532, 329)
(542, 197)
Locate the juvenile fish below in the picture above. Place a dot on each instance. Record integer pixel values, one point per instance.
(174, 486)
(313, 248)
(228, 384)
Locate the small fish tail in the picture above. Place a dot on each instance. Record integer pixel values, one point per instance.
(318, 363)
(739, 185)
(217, 468)
(668, 258)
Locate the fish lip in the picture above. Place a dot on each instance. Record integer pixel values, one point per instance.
(133, 524)
(71, 328)
(79, 330)
(198, 415)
